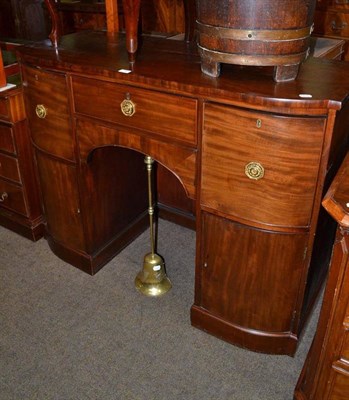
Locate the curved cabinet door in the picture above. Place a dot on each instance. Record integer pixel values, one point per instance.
(60, 195)
(249, 283)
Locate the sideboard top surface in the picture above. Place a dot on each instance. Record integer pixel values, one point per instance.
(173, 65)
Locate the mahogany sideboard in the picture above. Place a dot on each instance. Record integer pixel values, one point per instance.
(325, 375)
(254, 155)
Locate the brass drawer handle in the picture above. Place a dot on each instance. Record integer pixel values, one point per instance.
(41, 111)
(336, 27)
(128, 107)
(254, 170)
(3, 197)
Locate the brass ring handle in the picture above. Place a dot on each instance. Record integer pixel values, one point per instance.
(254, 170)
(336, 27)
(128, 107)
(41, 111)
(3, 197)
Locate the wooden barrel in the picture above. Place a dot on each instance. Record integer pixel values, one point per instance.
(254, 32)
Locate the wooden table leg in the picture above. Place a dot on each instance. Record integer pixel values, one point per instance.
(2, 72)
(112, 15)
(55, 33)
(190, 19)
(131, 16)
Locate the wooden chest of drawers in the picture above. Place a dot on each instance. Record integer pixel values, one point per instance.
(20, 208)
(332, 20)
(325, 375)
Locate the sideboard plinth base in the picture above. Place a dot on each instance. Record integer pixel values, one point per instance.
(264, 342)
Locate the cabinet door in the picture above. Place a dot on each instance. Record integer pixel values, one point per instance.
(238, 144)
(250, 277)
(60, 194)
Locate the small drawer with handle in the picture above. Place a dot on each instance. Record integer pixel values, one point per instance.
(48, 111)
(170, 116)
(260, 167)
(337, 24)
(11, 197)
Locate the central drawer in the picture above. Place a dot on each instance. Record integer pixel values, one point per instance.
(170, 116)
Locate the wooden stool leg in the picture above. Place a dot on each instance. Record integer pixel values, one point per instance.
(284, 73)
(210, 67)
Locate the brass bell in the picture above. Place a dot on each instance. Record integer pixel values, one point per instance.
(152, 279)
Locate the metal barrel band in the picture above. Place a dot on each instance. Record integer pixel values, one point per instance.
(254, 34)
(255, 59)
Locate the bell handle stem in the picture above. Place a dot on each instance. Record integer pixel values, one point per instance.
(149, 162)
